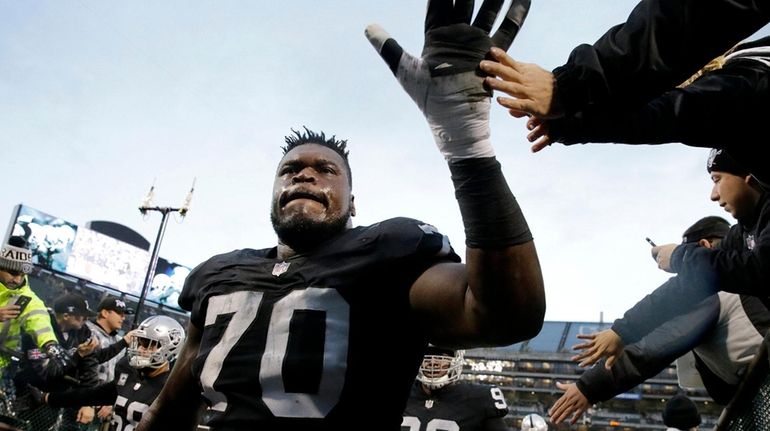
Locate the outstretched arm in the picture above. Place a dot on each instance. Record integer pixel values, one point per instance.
(497, 298)
(104, 394)
(178, 404)
(660, 45)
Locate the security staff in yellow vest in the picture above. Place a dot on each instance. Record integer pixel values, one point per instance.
(21, 311)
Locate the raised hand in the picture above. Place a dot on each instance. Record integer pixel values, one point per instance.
(573, 402)
(532, 88)
(446, 82)
(602, 344)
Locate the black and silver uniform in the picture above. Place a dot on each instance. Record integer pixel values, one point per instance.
(296, 343)
(131, 392)
(455, 407)
(135, 393)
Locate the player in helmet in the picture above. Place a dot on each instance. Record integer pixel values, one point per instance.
(156, 342)
(440, 401)
(139, 376)
(440, 367)
(286, 337)
(533, 422)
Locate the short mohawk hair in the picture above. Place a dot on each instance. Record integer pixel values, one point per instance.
(339, 146)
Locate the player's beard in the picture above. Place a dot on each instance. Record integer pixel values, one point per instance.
(302, 234)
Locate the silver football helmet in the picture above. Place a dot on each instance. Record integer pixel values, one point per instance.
(440, 367)
(156, 341)
(533, 422)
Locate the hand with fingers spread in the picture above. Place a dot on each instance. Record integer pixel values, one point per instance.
(532, 88)
(602, 344)
(573, 402)
(445, 81)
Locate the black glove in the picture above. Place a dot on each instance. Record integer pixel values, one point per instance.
(446, 81)
(37, 396)
(58, 359)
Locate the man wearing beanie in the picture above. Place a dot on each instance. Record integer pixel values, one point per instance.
(742, 264)
(681, 414)
(21, 311)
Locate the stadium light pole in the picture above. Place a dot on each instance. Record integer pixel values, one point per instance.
(144, 207)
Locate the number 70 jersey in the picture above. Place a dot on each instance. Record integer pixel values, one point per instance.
(314, 341)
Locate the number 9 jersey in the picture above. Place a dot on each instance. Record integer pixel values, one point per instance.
(304, 343)
(455, 407)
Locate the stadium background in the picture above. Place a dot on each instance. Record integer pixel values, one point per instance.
(527, 372)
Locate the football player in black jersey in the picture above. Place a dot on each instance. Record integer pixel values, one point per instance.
(440, 402)
(139, 376)
(287, 337)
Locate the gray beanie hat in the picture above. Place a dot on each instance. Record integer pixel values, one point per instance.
(14, 256)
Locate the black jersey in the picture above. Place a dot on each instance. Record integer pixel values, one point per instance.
(135, 393)
(456, 407)
(131, 392)
(298, 343)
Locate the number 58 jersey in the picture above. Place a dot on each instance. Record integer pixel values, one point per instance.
(317, 340)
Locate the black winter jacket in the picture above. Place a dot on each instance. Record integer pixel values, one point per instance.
(726, 108)
(660, 45)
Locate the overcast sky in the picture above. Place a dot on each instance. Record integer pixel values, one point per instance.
(98, 99)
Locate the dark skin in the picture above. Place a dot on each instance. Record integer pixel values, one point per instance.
(497, 298)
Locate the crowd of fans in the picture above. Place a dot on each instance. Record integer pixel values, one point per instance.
(63, 336)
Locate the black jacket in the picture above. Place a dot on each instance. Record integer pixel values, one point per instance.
(83, 369)
(726, 108)
(660, 45)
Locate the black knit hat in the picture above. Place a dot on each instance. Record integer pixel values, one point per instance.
(720, 161)
(681, 412)
(706, 228)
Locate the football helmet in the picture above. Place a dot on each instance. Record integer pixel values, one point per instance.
(533, 422)
(440, 367)
(156, 341)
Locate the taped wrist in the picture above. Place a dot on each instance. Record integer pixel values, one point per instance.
(491, 216)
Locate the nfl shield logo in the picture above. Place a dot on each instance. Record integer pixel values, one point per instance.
(280, 268)
(428, 404)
